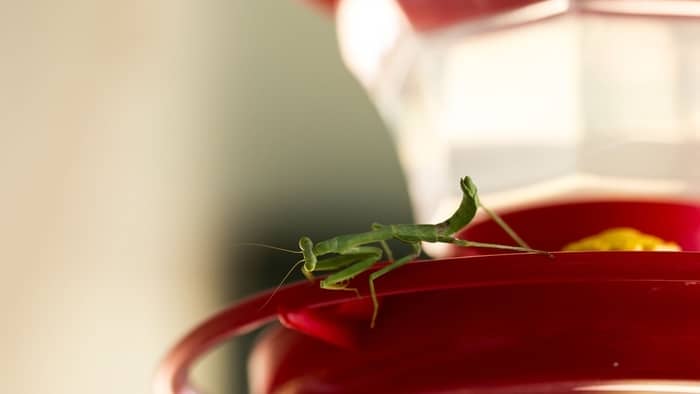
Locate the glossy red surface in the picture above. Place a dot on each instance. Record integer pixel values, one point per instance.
(490, 322)
(502, 335)
(430, 15)
(552, 226)
(325, 5)
(433, 14)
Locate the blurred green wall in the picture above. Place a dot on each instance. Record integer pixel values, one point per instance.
(310, 155)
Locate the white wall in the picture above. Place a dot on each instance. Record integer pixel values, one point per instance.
(109, 202)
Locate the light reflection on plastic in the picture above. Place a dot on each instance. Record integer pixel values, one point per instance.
(645, 7)
(533, 12)
(641, 387)
(367, 30)
(488, 100)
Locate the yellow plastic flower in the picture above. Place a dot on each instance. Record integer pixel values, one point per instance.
(622, 238)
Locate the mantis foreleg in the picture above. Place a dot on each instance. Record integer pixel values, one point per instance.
(361, 258)
(337, 262)
(331, 264)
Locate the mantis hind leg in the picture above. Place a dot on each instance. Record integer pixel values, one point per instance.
(473, 244)
(501, 223)
(396, 264)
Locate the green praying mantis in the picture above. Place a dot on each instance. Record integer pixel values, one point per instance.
(352, 256)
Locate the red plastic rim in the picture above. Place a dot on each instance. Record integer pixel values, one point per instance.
(433, 275)
(333, 318)
(430, 15)
(552, 226)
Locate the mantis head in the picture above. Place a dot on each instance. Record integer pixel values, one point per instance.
(306, 246)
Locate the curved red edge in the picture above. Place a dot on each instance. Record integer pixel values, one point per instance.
(327, 6)
(488, 270)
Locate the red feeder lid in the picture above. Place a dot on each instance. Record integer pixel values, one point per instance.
(434, 14)
(489, 323)
(325, 5)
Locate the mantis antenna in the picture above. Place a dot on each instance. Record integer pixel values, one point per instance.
(286, 276)
(268, 247)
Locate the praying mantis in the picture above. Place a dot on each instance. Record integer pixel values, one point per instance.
(352, 255)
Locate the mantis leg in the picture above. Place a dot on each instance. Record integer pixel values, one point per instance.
(385, 246)
(396, 264)
(336, 262)
(332, 264)
(496, 218)
(340, 285)
(473, 244)
(361, 258)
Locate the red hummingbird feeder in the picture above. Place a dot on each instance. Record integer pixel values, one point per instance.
(573, 117)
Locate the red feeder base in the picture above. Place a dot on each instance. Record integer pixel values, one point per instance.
(584, 321)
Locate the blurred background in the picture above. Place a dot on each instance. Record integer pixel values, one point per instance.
(138, 142)
(141, 141)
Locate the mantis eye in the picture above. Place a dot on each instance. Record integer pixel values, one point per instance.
(305, 244)
(307, 250)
